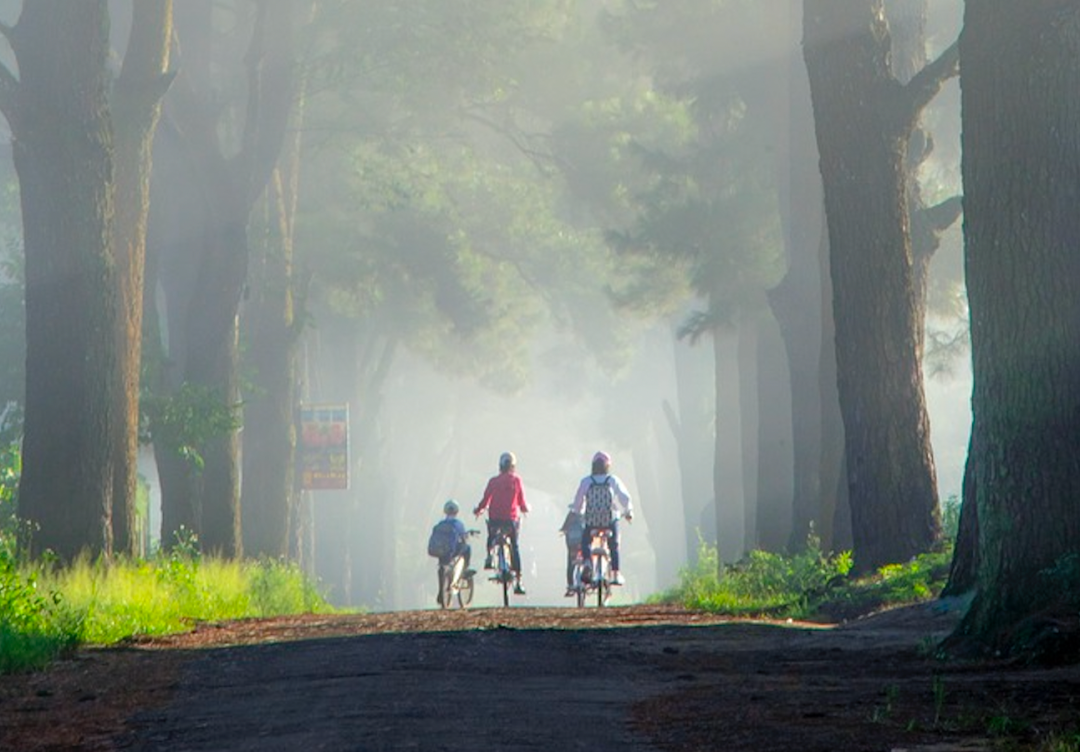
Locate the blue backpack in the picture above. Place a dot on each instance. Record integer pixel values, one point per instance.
(442, 543)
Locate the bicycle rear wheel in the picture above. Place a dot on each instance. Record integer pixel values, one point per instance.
(600, 575)
(504, 574)
(465, 592)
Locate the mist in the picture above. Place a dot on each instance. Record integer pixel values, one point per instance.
(483, 277)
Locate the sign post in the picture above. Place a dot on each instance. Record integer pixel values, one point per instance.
(324, 447)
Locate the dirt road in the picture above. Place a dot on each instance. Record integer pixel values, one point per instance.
(634, 678)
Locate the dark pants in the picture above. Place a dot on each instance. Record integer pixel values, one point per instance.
(511, 528)
(613, 543)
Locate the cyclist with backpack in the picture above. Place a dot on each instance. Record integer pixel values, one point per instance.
(504, 500)
(449, 539)
(601, 500)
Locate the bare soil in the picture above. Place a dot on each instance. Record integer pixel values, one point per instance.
(627, 678)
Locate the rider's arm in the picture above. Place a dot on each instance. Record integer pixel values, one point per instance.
(623, 496)
(520, 491)
(484, 501)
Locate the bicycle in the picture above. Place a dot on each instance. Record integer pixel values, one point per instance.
(500, 553)
(594, 574)
(455, 581)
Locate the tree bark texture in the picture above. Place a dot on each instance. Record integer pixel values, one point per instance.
(136, 105)
(229, 185)
(727, 458)
(691, 428)
(1021, 159)
(964, 568)
(863, 120)
(62, 148)
(775, 457)
(270, 319)
(796, 301)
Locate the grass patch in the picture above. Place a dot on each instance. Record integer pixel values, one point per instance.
(35, 627)
(139, 598)
(811, 585)
(46, 612)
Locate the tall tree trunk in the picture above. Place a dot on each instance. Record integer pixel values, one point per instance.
(727, 457)
(63, 154)
(268, 497)
(775, 457)
(269, 411)
(691, 428)
(796, 302)
(228, 188)
(1021, 71)
(750, 424)
(136, 105)
(964, 569)
(863, 118)
(834, 530)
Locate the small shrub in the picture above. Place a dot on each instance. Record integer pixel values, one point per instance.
(763, 583)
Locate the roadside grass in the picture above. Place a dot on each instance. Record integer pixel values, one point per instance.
(144, 598)
(46, 612)
(811, 585)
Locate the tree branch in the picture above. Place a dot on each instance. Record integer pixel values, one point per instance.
(926, 84)
(942, 216)
(9, 88)
(931, 221)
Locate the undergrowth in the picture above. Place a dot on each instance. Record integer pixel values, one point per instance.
(809, 585)
(173, 592)
(47, 611)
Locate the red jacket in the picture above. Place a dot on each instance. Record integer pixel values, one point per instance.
(504, 497)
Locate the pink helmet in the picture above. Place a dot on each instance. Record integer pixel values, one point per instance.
(601, 457)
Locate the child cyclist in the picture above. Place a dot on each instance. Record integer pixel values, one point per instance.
(601, 499)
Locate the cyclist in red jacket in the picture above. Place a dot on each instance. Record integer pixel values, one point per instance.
(504, 500)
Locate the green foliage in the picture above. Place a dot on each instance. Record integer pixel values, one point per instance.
(808, 585)
(950, 518)
(46, 612)
(1065, 742)
(36, 626)
(169, 594)
(920, 579)
(187, 419)
(762, 584)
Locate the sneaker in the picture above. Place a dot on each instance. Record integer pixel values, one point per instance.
(518, 589)
(570, 592)
(487, 562)
(617, 579)
(468, 574)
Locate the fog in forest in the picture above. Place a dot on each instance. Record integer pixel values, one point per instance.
(438, 429)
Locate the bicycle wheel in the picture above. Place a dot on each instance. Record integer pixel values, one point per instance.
(578, 586)
(465, 592)
(600, 578)
(504, 576)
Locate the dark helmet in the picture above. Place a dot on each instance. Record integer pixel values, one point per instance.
(507, 460)
(601, 462)
(451, 508)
